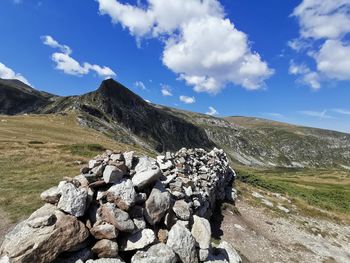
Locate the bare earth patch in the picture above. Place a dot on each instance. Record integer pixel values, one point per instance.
(262, 235)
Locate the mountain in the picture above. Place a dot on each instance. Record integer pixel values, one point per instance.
(124, 116)
(17, 97)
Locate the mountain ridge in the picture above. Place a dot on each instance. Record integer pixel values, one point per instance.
(115, 110)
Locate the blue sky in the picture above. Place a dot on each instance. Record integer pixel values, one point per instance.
(281, 60)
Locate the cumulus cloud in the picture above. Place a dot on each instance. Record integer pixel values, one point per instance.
(324, 28)
(8, 73)
(140, 84)
(166, 91)
(187, 100)
(200, 45)
(212, 111)
(69, 65)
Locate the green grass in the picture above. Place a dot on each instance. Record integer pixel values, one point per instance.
(37, 151)
(86, 150)
(327, 190)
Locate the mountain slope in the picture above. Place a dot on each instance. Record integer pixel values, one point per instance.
(124, 116)
(17, 97)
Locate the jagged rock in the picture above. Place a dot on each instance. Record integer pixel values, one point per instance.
(27, 244)
(138, 240)
(93, 163)
(117, 217)
(146, 173)
(104, 231)
(98, 170)
(112, 174)
(201, 232)
(105, 249)
(117, 157)
(52, 195)
(182, 243)
(159, 253)
(122, 194)
(129, 156)
(182, 210)
(73, 200)
(157, 204)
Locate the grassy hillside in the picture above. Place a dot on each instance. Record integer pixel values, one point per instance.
(37, 151)
(322, 192)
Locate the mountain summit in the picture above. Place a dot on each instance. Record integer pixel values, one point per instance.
(124, 116)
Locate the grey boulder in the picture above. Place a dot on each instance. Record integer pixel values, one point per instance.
(159, 253)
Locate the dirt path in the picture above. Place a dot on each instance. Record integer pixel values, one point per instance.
(260, 237)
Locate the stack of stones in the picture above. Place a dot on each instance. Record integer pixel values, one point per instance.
(124, 208)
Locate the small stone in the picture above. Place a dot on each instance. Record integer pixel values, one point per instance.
(159, 253)
(129, 156)
(138, 240)
(201, 232)
(117, 157)
(105, 249)
(231, 253)
(105, 260)
(163, 235)
(117, 217)
(139, 223)
(73, 200)
(183, 243)
(122, 194)
(104, 231)
(182, 210)
(51, 195)
(157, 204)
(98, 170)
(112, 174)
(147, 177)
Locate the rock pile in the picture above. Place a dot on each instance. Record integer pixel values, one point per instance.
(124, 208)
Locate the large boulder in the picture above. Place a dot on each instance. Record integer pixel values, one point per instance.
(120, 219)
(73, 199)
(28, 244)
(138, 240)
(157, 204)
(182, 243)
(122, 194)
(201, 232)
(159, 253)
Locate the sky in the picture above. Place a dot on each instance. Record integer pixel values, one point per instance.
(283, 60)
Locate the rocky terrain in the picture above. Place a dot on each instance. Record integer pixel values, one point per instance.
(125, 208)
(115, 110)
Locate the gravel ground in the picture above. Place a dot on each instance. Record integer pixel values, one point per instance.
(262, 236)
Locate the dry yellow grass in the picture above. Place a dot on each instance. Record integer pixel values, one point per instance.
(37, 151)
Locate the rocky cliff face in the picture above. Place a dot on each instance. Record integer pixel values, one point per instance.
(124, 208)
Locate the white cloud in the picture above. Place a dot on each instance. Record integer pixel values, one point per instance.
(8, 73)
(324, 28)
(71, 66)
(202, 46)
(306, 76)
(333, 60)
(275, 115)
(317, 114)
(166, 91)
(140, 84)
(212, 111)
(49, 41)
(342, 111)
(187, 100)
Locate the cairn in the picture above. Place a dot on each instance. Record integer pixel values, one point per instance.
(125, 208)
